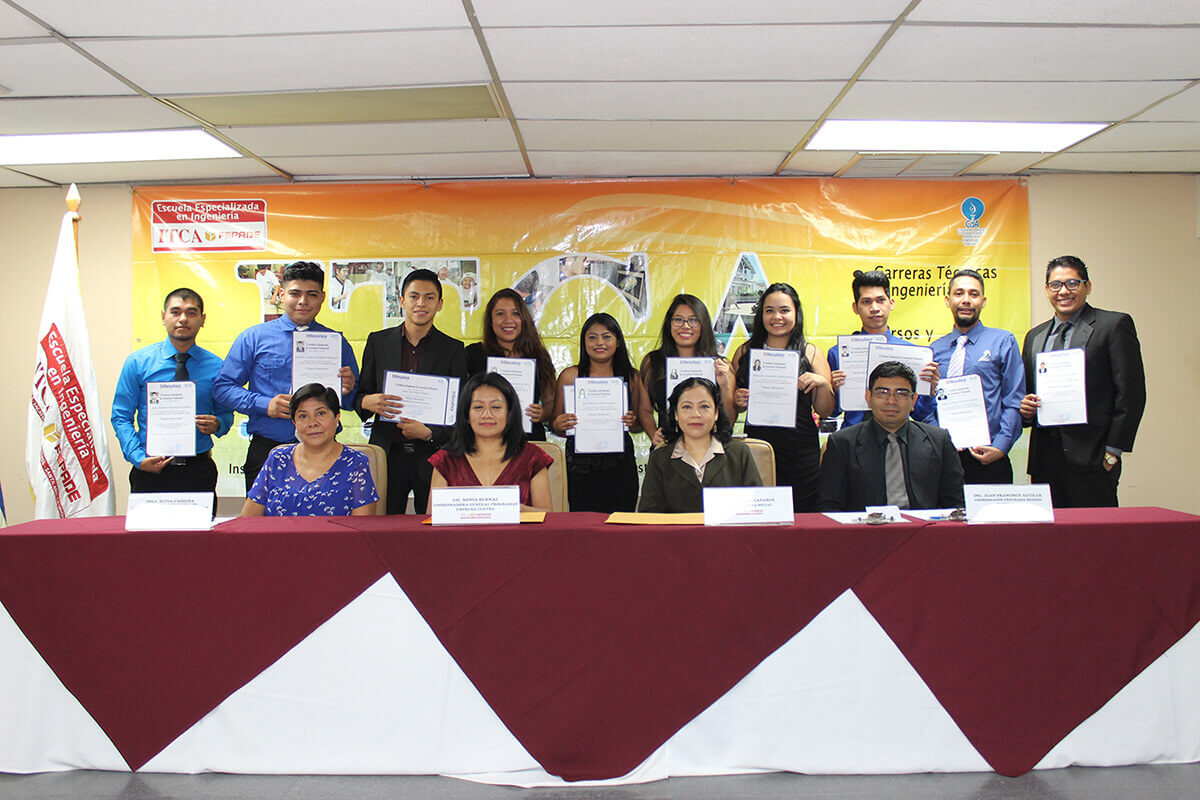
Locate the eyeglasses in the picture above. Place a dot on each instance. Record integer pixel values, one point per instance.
(883, 393)
(1071, 285)
(680, 322)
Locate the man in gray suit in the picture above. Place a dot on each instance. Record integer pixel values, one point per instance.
(1082, 463)
(890, 459)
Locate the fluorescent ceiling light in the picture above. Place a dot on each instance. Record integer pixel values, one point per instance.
(951, 137)
(93, 148)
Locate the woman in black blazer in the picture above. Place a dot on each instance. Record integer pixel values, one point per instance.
(698, 452)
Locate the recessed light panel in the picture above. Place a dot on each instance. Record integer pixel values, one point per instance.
(952, 137)
(94, 148)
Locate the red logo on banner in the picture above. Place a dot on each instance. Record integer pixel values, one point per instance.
(72, 410)
(208, 225)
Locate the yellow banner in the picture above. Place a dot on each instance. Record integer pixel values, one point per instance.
(577, 247)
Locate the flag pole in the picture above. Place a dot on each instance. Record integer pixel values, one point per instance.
(73, 207)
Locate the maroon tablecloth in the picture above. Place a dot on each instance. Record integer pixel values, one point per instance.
(1024, 631)
(595, 643)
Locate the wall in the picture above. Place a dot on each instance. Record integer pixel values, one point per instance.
(1137, 233)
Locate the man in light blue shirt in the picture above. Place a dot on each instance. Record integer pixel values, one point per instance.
(177, 358)
(256, 378)
(873, 303)
(972, 348)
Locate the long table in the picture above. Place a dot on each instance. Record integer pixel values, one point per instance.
(578, 651)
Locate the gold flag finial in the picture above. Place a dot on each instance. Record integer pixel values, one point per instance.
(73, 199)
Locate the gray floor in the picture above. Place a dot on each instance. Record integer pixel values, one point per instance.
(1124, 783)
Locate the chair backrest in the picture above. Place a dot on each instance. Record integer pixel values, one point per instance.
(558, 475)
(378, 466)
(764, 459)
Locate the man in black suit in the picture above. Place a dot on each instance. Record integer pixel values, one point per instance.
(414, 346)
(1082, 463)
(890, 459)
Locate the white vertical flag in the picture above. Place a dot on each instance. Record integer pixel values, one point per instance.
(66, 449)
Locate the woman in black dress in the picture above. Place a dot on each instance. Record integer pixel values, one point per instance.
(779, 325)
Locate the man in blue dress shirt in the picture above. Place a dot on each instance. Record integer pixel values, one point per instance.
(256, 378)
(177, 358)
(972, 348)
(873, 303)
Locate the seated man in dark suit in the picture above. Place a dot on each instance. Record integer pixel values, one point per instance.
(890, 459)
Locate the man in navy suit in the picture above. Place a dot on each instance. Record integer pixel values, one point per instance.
(1082, 463)
(890, 459)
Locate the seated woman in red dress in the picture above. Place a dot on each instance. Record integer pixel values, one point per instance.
(488, 447)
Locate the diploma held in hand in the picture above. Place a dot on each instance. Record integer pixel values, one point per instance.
(961, 412)
(773, 376)
(911, 355)
(599, 405)
(316, 358)
(520, 372)
(171, 418)
(853, 352)
(1061, 383)
(429, 399)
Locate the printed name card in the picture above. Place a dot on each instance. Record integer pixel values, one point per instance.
(476, 505)
(748, 505)
(169, 511)
(999, 503)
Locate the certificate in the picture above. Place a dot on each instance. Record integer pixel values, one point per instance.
(852, 360)
(773, 376)
(599, 405)
(520, 372)
(316, 358)
(961, 412)
(429, 399)
(680, 369)
(170, 418)
(1061, 386)
(911, 355)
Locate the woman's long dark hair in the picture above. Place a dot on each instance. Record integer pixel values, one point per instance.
(758, 336)
(722, 428)
(706, 345)
(529, 341)
(462, 438)
(622, 367)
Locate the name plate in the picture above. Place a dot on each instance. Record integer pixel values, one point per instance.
(999, 503)
(476, 505)
(169, 511)
(748, 505)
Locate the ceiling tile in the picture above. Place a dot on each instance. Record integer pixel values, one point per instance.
(551, 164)
(672, 135)
(428, 165)
(1142, 136)
(1144, 12)
(1123, 162)
(535, 13)
(756, 52)
(818, 162)
(14, 24)
(238, 17)
(214, 169)
(15, 180)
(1001, 102)
(1005, 164)
(1183, 107)
(1038, 54)
(48, 68)
(733, 100)
(393, 138)
(264, 64)
(86, 114)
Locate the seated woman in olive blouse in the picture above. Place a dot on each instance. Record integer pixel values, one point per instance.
(488, 447)
(316, 477)
(698, 452)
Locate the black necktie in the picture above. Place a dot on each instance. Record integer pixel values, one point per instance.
(181, 373)
(1060, 339)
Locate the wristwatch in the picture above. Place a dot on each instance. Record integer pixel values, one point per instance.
(1110, 460)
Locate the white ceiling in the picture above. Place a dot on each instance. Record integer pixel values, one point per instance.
(612, 89)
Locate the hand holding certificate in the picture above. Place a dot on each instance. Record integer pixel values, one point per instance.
(853, 352)
(773, 376)
(316, 358)
(599, 405)
(911, 355)
(1061, 385)
(428, 399)
(520, 372)
(171, 418)
(961, 411)
(680, 369)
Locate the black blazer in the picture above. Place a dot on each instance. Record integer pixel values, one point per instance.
(852, 475)
(670, 486)
(1116, 386)
(442, 356)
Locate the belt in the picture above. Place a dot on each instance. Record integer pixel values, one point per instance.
(177, 461)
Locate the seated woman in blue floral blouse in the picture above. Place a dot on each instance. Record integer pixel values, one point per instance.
(317, 477)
